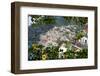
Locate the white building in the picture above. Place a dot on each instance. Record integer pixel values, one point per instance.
(84, 40)
(62, 50)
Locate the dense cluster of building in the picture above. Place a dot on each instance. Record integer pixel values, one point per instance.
(63, 33)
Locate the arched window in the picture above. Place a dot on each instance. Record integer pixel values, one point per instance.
(85, 41)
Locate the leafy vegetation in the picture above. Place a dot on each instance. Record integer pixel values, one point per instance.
(79, 35)
(42, 20)
(39, 52)
(76, 20)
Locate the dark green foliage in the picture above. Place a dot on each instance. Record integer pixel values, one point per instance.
(39, 20)
(82, 54)
(48, 20)
(53, 53)
(76, 20)
(75, 55)
(36, 52)
(79, 35)
(70, 54)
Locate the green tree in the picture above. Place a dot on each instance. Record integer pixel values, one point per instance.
(79, 35)
(48, 20)
(42, 20)
(82, 54)
(80, 21)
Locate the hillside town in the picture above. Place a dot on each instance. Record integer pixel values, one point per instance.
(58, 42)
(63, 34)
